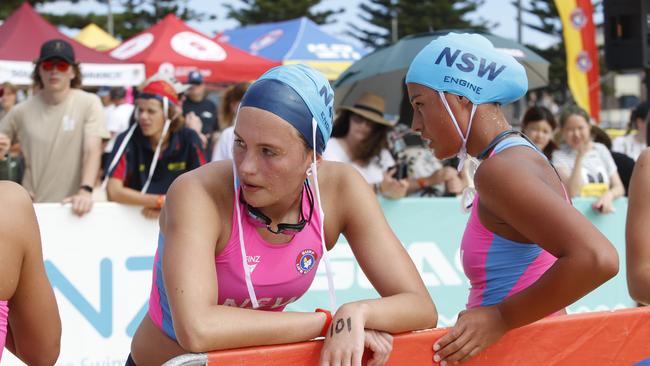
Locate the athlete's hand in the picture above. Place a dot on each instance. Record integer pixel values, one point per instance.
(475, 330)
(381, 345)
(345, 340)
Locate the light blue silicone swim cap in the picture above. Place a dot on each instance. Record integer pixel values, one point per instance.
(468, 65)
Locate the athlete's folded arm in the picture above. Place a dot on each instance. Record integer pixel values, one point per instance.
(34, 329)
(191, 227)
(512, 190)
(405, 303)
(637, 232)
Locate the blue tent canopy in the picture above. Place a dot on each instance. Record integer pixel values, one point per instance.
(296, 41)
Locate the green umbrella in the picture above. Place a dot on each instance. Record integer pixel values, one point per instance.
(382, 72)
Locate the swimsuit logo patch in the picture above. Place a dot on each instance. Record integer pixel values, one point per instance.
(305, 261)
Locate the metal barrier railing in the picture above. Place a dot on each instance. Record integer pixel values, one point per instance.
(190, 359)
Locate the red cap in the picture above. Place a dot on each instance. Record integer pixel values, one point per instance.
(160, 88)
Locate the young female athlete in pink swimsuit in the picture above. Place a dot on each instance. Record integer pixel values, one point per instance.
(240, 240)
(526, 251)
(30, 326)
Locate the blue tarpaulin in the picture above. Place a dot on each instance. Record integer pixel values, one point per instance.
(296, 41)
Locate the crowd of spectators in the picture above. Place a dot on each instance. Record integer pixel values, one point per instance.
(394, 161)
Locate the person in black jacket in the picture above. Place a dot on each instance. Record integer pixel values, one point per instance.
(153, 152)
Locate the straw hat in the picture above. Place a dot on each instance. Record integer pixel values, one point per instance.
(371, 107)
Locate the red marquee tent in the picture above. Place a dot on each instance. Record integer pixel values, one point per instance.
(173, 47)
(21, 37)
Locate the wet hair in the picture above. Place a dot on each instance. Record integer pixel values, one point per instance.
(371, 146)
(75, 83)
(539, 113)
(226, 113)
(571, 111)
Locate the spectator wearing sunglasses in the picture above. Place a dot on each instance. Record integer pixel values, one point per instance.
(60, 130)
(242, 239)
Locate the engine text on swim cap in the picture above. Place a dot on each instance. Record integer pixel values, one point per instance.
(467, 64)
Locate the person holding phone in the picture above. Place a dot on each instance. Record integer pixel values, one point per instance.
(359, 137)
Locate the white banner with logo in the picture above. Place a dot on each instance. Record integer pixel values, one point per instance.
(20, 73)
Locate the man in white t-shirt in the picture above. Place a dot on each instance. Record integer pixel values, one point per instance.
(118, 120)
(60, 130)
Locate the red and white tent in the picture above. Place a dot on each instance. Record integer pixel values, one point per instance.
(21, 37)
(173, 47)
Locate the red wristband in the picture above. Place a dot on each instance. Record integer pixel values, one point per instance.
(422, 183)
(160, 201)
(328, 321)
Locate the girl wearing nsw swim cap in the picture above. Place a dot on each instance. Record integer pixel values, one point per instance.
(519, 271)
(246, 235)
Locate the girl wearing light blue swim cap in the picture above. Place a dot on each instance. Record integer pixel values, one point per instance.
(241, 236)
(520, 270)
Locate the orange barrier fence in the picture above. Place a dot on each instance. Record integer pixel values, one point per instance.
(604, 338)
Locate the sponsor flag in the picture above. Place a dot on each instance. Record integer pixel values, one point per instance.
(583, 70)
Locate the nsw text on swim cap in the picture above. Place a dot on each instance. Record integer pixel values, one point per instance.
(327, 98)
(467, 65)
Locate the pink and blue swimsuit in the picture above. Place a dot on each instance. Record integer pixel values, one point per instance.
(4, 315)
(496, 267)
(281, 273)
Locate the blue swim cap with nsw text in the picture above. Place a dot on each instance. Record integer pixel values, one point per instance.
(311, 86)
(469, 65)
